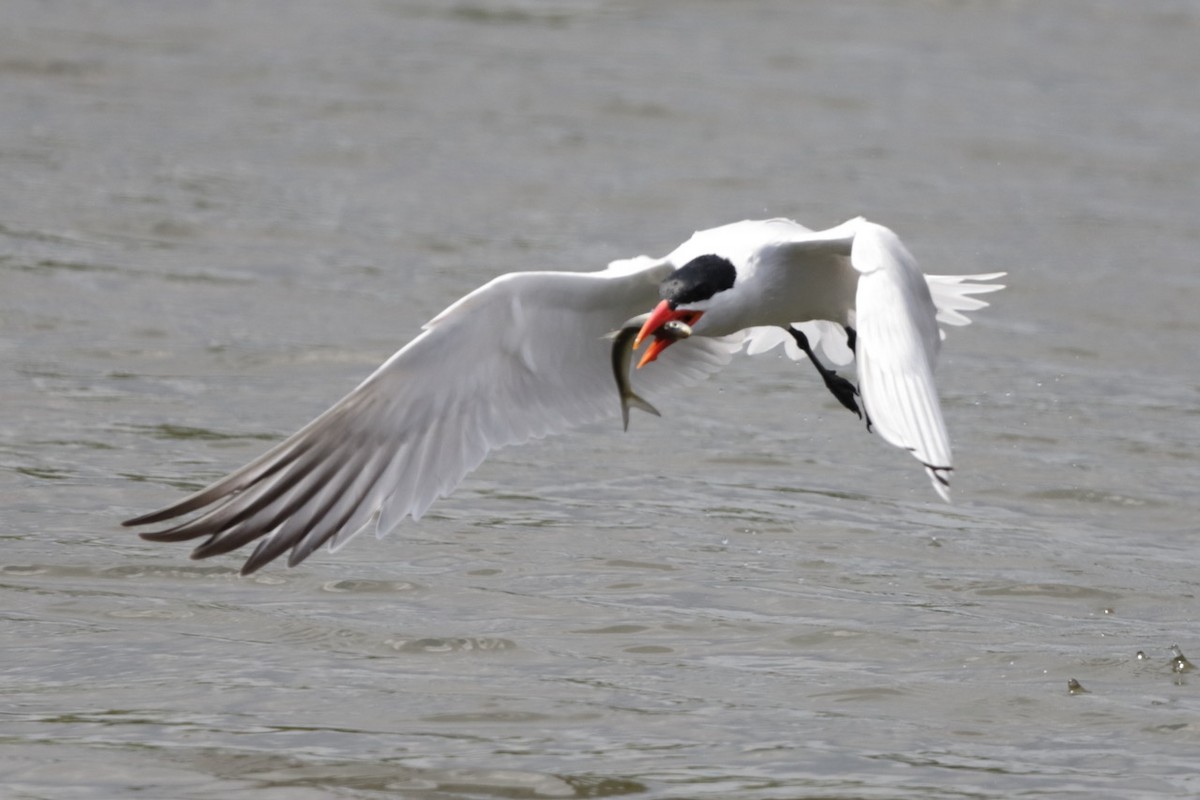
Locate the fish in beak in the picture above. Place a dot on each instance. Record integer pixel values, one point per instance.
(622, 356)
(664, 337)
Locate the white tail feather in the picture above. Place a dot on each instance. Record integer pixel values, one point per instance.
(952, 294)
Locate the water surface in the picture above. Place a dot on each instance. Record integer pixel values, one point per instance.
(215, 218)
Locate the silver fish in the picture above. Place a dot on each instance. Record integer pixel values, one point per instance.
(622, 357)
(673, 330)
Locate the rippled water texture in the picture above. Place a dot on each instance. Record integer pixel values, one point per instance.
(215, 218)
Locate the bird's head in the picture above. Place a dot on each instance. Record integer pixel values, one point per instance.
(686, 294)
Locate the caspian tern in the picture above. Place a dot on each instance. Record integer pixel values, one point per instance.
(532, 353)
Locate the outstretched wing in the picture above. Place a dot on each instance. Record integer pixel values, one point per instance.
(895, 310)
(522, 357)
(898, 342)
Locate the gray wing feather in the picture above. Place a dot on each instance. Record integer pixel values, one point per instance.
(522, 357)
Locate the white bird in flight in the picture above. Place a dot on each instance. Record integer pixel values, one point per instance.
(534, 353)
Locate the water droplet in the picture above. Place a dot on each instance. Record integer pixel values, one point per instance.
(1179, 662)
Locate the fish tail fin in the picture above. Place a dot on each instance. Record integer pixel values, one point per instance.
(632, 400)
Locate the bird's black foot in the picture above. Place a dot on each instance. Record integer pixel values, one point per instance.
(844, 391)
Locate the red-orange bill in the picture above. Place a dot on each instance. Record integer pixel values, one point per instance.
(661, 315)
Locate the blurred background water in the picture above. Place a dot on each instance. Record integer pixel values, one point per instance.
(217, 217)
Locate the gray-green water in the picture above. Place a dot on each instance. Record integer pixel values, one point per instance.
(215, 218)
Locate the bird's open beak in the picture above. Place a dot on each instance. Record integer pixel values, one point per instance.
(661, 315)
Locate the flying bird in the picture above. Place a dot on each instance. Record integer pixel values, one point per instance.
(530, 354)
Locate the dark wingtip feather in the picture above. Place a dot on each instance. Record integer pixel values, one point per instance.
(152, 517)
(263, 554)
(176, 534)
(185, 506)
(275, 459)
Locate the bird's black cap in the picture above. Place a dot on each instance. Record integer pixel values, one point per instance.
(698, 280)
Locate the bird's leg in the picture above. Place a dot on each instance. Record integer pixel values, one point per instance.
(852, 343)
(842, 389)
